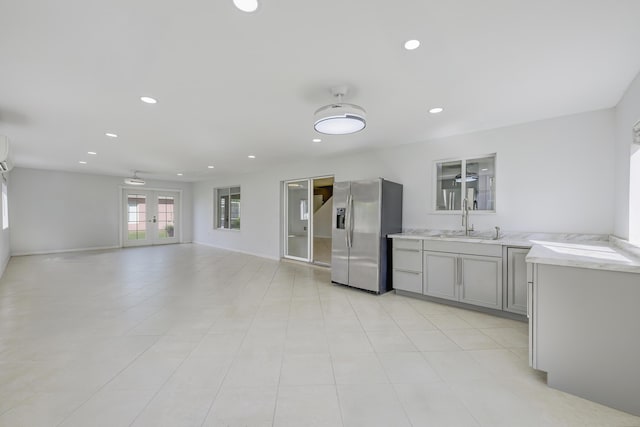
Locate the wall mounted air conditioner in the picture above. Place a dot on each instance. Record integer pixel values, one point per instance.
(5, 158)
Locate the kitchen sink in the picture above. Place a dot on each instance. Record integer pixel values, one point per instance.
(460, 235)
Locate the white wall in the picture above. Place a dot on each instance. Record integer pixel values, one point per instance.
(554, 175)
(53, 210)
(322, 219)
(627, 166)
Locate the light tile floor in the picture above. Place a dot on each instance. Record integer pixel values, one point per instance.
(187, 335)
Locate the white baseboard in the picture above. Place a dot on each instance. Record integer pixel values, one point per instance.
(237, 250)
(58, 251)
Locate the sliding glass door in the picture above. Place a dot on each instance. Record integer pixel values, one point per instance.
(307, 219)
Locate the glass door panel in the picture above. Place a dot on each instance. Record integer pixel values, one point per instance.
(136, 217)
(297, 219)
(166, 226)
(167, 204)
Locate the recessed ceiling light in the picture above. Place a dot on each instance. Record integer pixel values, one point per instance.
(316, 140)
(111, 135)
(93, 153)
(82, 162)
(246, 5)
(484, 169)
(210, 167)
(411, 44)
(148, 100)
(179, 174)
(436, 110)
(251, 156)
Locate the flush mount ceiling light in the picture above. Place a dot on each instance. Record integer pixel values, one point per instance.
(470, 177)
(246, 5)
(340, 118)
(134, 180)
(148, 100)
(411, 44)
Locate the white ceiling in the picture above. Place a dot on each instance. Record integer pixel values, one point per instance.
(231, 84)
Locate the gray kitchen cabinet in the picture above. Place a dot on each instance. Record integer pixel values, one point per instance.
(481, 281)
(407, 265)
(465, 272)
(441, 275)
(583, 330)
(516, 283)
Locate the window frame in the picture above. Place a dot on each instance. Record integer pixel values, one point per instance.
(217, 194)
(464, 160)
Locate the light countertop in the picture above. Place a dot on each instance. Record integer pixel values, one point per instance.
(509, 238)
(572, 250)
(603, 256)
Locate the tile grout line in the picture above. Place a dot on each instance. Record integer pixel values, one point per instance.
(275, 404)
(235, 355)
(333, 371)
(99, 389)
(395, 391)
(113, 378)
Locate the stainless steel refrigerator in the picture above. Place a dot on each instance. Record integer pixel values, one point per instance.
(364, 212)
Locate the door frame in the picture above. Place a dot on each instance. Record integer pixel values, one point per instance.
(285, 218)
(309, 220)
(123, 188)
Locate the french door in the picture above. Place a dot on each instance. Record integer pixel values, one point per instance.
(150, 217)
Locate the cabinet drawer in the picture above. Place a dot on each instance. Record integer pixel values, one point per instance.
(407, 281)
(483, 249)
(407, 259)
(413, 244)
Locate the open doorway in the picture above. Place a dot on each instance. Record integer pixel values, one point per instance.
(307, 219)
(322, 207)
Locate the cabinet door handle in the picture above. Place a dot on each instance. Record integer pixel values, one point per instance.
(459, 272)
(407, 250)
(408, 271)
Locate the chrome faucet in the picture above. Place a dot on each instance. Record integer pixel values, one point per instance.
(497, 237)
(465, 217)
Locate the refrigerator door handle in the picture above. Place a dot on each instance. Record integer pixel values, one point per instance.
(347, 222)
(350, 226)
